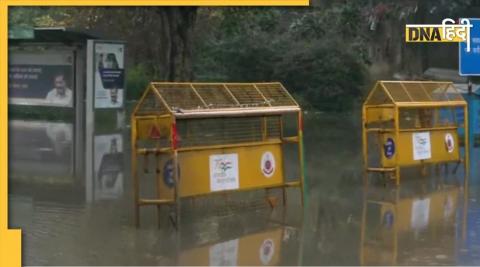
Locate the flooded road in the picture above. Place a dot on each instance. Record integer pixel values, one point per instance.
(69, 219)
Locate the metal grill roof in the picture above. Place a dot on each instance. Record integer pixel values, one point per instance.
(415, 92)
(203, 98)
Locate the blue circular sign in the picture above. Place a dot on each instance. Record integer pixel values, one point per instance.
(168, 175)
(389, 148)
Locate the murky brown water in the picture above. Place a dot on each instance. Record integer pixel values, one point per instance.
(71, 220)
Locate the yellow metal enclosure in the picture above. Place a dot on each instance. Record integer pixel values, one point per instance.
(412, 123)
(205, 138)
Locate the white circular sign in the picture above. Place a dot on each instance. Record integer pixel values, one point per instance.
(267, 164)
(449, 143)
(267, 249)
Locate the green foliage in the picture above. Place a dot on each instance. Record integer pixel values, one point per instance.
(328, 75)
(318, 54)
(38, 16)
(137, 80)
(41, 113)
(105, 120)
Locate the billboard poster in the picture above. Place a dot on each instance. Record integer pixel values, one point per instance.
(41, 79)
(108, 164)
(109, 77)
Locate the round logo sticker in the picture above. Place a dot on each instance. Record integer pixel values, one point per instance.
(389, 148)
(449, 143)
(267, 164)
(267, 249)
(168, 178)
(388, 218)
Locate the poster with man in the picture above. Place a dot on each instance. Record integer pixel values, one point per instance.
(41, 79)
(109, 75)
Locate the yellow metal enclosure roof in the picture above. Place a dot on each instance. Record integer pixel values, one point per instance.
(412, 93)
(189, 99)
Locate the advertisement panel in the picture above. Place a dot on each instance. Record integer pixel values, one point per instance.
(109, 75)
(108, 163)
(41, 78)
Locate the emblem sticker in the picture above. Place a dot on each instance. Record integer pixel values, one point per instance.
(388, 219)
(422, 148)
(267, 249)
(267, 164)
(449, 143)
(154, 133)
(168, 175)
(389, 148)
(224, 172)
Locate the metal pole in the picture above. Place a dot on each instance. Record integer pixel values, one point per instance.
(467, 172)
(136, 189)
(284, 192)
(467, 143)
(175, 172)
(397, 137)
(301, 158)
(364, 144)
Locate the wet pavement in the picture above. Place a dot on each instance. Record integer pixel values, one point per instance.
(71, 219)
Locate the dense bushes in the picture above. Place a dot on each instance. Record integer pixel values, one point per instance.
(136, 81)
(302, 48)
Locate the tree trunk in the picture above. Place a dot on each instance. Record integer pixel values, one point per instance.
(177, 24)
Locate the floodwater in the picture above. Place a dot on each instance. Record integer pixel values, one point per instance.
(71, 219)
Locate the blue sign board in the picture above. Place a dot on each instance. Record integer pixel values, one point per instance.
(469, 62)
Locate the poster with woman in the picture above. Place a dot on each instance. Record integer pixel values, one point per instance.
(109, 75)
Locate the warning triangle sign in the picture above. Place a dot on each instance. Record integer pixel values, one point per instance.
(154, 132)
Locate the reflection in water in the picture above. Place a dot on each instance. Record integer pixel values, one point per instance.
(261, 248)
(108, 164)
(469, 249)
(410, 225)
(40, 147)
(422, 222)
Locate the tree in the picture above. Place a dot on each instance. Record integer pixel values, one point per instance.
(177, 29)
(316, 52)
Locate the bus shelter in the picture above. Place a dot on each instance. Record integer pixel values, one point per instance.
(203, 138)
(412, 123)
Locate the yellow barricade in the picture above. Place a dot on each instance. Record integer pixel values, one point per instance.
(203, 138)
(413, 123)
